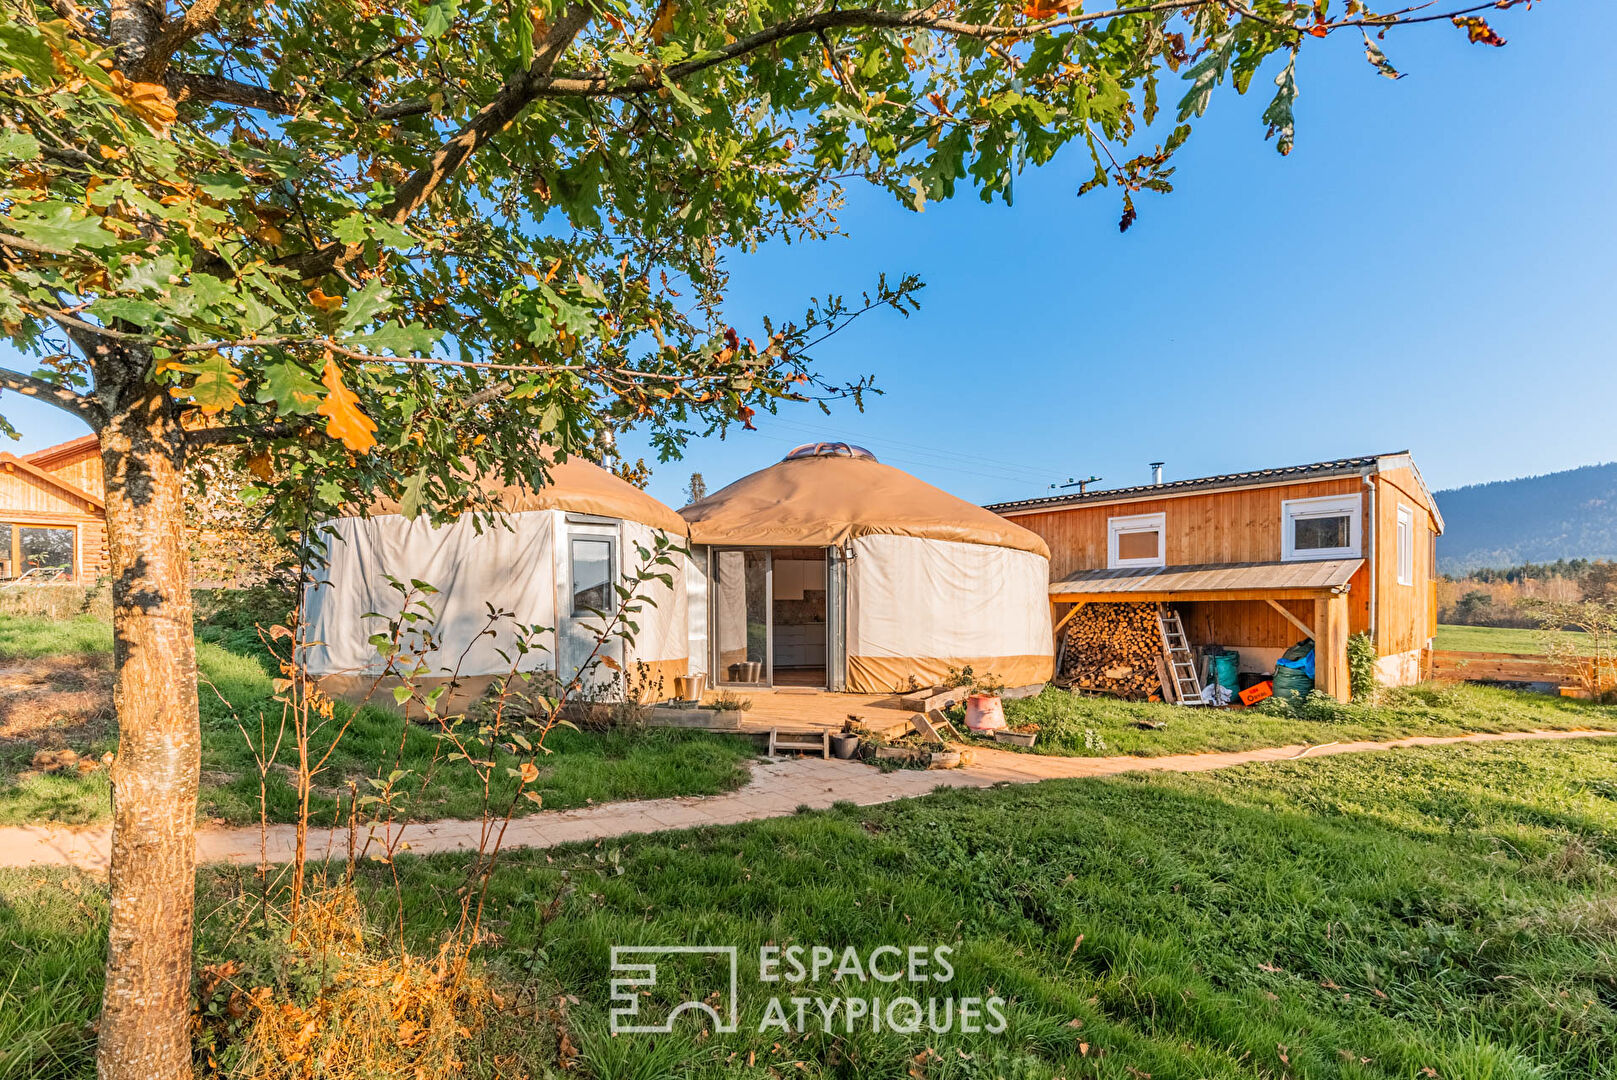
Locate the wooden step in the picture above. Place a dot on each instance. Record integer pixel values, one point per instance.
(807, 742)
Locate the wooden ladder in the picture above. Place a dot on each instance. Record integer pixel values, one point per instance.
(801, 741)
(1187, 685)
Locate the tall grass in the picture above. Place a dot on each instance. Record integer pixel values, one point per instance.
(54, 926)
(1450, 909)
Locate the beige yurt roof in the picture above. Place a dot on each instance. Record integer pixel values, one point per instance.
(580, 487)
(822, 496)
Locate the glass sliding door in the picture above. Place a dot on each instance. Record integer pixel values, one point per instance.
(741, 597)
(37, 547)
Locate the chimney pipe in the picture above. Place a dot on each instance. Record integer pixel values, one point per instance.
(1156, 471)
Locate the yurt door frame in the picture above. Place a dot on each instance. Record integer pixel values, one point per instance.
(732, 618)
(587, 567)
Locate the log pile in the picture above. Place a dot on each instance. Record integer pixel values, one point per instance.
(1113, 648)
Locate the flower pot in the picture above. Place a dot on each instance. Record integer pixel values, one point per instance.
(1016, 738)
(844, 745)
(984, 712)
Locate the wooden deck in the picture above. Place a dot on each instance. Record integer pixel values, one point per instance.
(817, 710)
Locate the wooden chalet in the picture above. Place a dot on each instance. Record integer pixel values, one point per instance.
(53, 523)
(1257, 561)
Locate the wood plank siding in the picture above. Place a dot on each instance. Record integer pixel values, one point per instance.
(1245, 524)
(1207, 527)
(56, 488)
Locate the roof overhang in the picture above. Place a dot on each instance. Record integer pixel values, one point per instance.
(1313, 579)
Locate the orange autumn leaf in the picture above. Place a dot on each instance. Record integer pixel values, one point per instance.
(662, 24)
(341, 409)
(261, 466)
(1478, 30)
(327, 304)
(149, 101)
(1049, 9)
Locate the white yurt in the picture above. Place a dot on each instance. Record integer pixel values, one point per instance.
(831, 570)
(550, 558)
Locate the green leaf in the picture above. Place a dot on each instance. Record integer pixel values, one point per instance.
(226, 187)
(1279, 114)
(365, 305)
(410, 502)
(437, 16)
(18, 146)
(216, 384)
(294, 391)
(63, 230)
(142, 313)
(399, 340)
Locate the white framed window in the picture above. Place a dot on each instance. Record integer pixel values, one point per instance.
(592, 566)
(1137, 540)
(1406, 545)
(1324, 528)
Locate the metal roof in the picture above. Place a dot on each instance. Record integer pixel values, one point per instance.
(1322, 574)
(1319, 470)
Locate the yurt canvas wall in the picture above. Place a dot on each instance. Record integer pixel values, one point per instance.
(918, 607)
(920, 581)
(544, 562)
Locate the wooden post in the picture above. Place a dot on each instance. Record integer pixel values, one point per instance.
(1330, 647)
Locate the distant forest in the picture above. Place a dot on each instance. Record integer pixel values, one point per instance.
(1558, 517)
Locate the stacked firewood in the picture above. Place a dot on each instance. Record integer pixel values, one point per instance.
(1115, 648)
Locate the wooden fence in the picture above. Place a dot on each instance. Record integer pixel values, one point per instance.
(1450, 666)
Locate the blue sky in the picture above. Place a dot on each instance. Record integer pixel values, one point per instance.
(1432, 268)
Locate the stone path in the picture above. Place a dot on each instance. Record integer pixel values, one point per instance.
(776, 790)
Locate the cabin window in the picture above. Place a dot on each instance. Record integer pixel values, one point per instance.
(1406, 545)
(592, 575)
(1134, 541)
(29, 547)
(1326, 528)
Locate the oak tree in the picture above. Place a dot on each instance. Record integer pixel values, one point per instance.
(384, 246)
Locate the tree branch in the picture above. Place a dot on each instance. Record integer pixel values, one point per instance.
(195, 86)
(172, 36)
(237, 433)
(63, 398)
(513, 97)
(852, 18)
(517, 93)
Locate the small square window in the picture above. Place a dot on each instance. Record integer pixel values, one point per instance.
(1134, 541)
(1324, 528)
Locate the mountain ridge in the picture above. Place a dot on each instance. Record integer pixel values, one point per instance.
(1570, 514)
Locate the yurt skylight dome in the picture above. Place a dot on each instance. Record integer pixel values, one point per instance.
(828, 449)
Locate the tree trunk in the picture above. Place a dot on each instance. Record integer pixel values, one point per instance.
(144, 1010)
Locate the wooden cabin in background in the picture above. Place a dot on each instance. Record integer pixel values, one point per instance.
(52, 512)
(1257, 561)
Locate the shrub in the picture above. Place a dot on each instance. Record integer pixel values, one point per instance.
(334, 1000)
(1361, 656)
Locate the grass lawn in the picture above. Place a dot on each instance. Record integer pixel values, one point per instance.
(62, 699)
(1075, 726)
(1447, 912)
(1502, 639)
